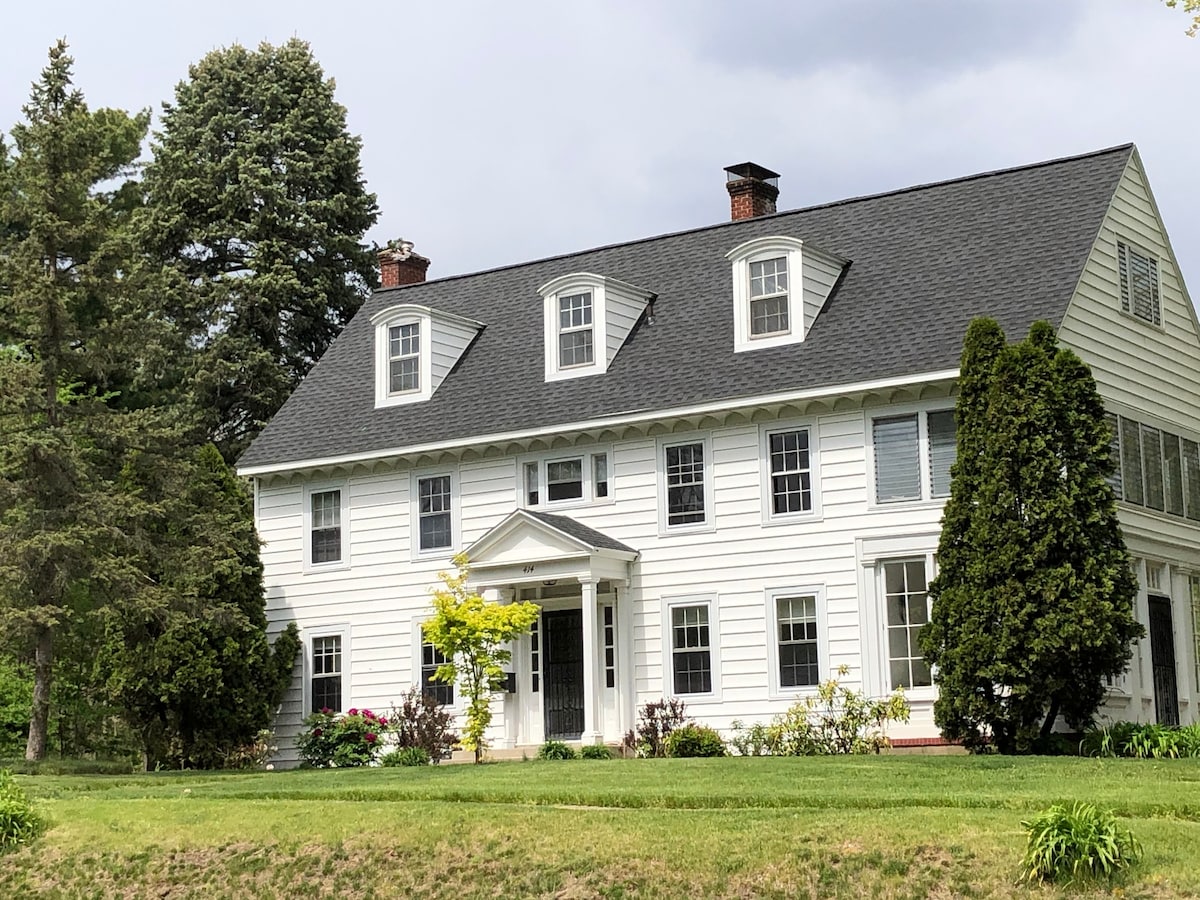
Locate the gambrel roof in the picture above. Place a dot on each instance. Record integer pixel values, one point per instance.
(922, 263)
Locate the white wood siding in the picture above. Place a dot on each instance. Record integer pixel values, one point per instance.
(449, 339)
(820, 275)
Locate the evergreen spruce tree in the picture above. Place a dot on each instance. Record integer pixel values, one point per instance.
(190, 663)
(64, 204)
(1033, 602)
(257, 209)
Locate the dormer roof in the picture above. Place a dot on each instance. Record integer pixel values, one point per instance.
(923, 262)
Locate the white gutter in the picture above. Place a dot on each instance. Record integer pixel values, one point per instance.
(629, 418)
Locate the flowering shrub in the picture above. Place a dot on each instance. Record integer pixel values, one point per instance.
(420, 721)
(331, 739)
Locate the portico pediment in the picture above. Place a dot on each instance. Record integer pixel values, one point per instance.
(533, 546)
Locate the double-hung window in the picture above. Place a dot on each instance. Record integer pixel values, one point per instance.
(1154, 468)
(691, 650)
(575, 338)
(1139, 284)
(569, 480)
(769, 297)
(325, 681)
(431, 660)
(325, 520)
(404, 358)
(913, 455)
(434, 514)
(790, 472)
(798, 647)
(686, 477)
(905, 584)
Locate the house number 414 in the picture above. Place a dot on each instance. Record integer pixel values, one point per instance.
(527, 569)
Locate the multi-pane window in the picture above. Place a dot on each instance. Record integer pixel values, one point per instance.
(685, 484)
(906, 598)
(564, 479)
(768, 297)
(691, 650)
(610, 648)
(1155, 468)
(326, 680)
(796, 618)
(404, 358)
(575, 330)
(1139, 284)
(325, 527)
(431, 659)
(433, 512)
(576, 478)
(913, 455)
(791, 471)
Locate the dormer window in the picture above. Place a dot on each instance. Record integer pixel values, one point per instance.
(587, 318)
(404, 361)
(769, 297)
(779, 287)
(407, 368)
(575, 342)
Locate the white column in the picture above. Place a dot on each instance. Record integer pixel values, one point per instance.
(626, 699)
(591, 734)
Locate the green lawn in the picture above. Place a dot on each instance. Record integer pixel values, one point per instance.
(873, 826)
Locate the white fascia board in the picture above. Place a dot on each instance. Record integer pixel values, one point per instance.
(630, 417)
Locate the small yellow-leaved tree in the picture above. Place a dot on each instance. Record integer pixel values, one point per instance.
(472, 633)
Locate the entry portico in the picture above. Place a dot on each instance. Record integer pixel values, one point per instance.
(573, 681)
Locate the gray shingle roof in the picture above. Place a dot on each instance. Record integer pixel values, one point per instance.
(923, 262)
(590, 536)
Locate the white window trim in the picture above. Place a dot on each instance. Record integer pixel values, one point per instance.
(418, 643)
(1157, 260)
(771, 597)
(872, 552)
(587, 457)
(769, 516)
(714, 646)
(341, 630)
(402, 315)
(922, 411)
(414, 497)
(757, 250)
(566, 285)
(709, 523)
(309, 567)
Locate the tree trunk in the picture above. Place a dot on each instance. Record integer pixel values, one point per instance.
(39, 719)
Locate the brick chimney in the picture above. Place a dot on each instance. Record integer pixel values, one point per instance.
(752, 190)
(398, 265)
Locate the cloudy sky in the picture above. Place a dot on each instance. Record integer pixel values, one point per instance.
(500, 132)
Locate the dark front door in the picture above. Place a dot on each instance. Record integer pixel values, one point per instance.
(563, 699)
(1162, 660)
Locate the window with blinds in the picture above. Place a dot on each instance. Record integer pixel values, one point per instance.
(913, 455)
(1155, 468)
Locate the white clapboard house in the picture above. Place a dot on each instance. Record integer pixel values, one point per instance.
(717, 459)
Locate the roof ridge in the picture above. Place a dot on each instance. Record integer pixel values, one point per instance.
(991, 173)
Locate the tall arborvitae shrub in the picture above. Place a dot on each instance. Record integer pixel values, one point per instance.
(1033, 602)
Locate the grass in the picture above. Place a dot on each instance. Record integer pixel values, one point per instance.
(872, 826)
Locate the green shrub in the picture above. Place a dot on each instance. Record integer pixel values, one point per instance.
(16, 695)
(835, 720)
(406, 756)
(555, 750)
(420, 721)
(656, 721)
(330, 739)
(693, 741)
(595, 751)
(754, 740)
(20, 822)
(1082, 842)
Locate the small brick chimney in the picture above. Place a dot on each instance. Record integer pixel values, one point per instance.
(398, 265)
(752, 190)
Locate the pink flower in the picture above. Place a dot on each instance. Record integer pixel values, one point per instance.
(325, 710)
(369, 737)
(316, 732)
(367, 714)
(352, 711)
(382, 720)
